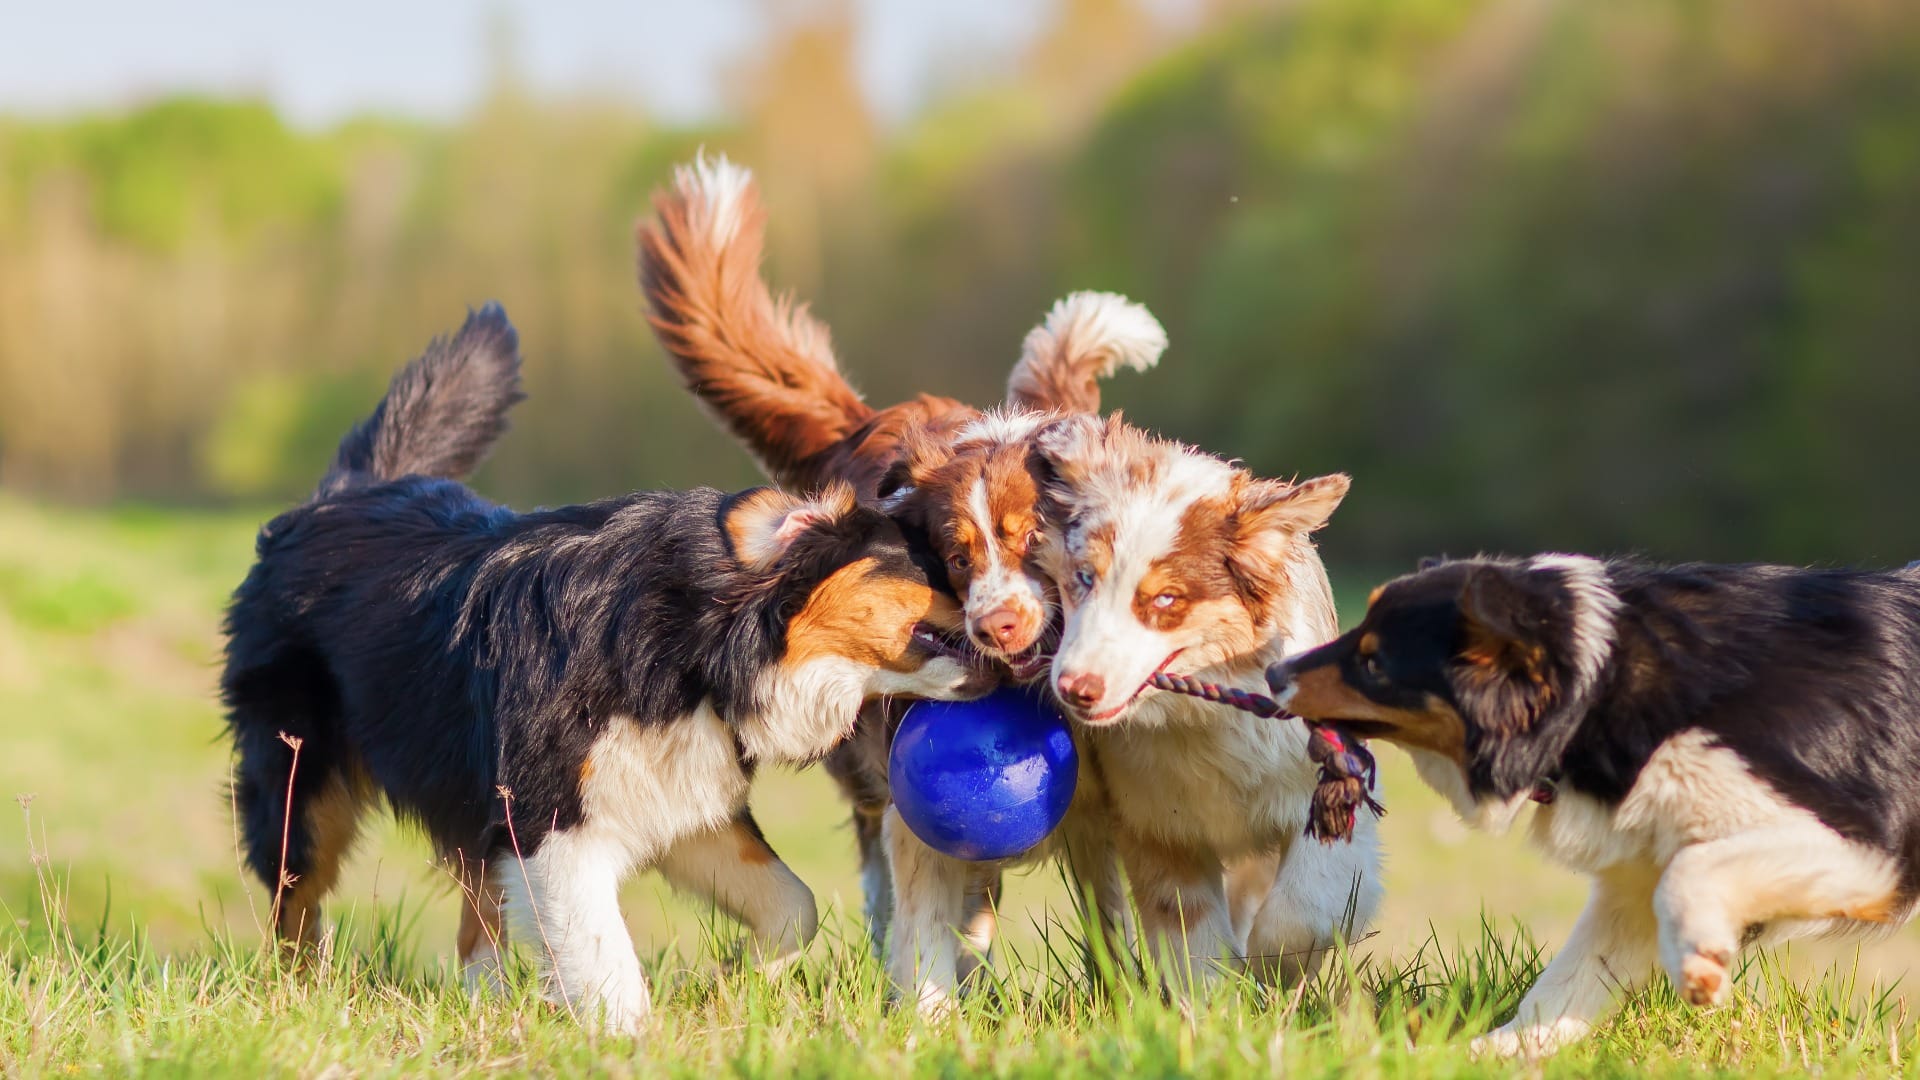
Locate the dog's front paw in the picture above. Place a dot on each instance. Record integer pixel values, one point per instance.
(1704, 978)
(1528, 1040)
(930, 1001)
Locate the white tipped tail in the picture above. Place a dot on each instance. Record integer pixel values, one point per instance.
(715, 191)
(763, 366)
(1086, 337)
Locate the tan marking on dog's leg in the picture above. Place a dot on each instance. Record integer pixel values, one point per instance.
(1711, 892)
(1612, 950)
(332, 818)
(929, 893)
(735, 870)
(1182, 895)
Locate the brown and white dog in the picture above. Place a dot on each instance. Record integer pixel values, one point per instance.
(765, 369)
(1170, 559)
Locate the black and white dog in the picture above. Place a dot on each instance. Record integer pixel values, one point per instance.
(562, 697)
(1732, 752)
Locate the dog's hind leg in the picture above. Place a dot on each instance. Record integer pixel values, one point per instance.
(1801, 872)
(299, 794)
(331, 817)
(735, 869)
(301, 809)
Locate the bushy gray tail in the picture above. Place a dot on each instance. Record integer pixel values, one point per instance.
(442, 412)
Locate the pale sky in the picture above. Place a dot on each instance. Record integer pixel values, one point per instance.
(427, 58)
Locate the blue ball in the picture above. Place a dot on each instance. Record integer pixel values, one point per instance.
(983, 779)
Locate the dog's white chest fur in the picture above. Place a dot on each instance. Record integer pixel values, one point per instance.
(1691, 790)
(646, 784)
(1198, 774)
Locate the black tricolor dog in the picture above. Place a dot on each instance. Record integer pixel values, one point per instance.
(1732, 752)
(561, 697)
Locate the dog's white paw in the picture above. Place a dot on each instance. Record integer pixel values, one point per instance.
(482, 974)
(931, 1002)
(1529, 1040)
(1704, 977)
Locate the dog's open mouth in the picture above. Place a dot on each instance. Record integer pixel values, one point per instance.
(1105, 715)
(950, 644)
(1030, 663)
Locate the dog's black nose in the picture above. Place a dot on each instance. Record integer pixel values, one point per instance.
(1279, 674)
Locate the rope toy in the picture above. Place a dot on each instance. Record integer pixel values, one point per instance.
(1348, 772)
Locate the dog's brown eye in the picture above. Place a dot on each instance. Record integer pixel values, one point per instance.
(1370, 664)
(959, 562)
(1033, 539)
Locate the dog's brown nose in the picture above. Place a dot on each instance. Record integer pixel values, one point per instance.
(1083, 690)
(997, 629)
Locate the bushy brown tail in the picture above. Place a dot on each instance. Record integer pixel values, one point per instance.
(442, 412)
(764, 366)
(1085, 338)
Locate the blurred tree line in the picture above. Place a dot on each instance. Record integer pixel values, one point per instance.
(1641, 275)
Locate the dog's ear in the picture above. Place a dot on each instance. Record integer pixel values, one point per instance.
(1064, 449)
(1269, 516)
(921, 456)
(763, 524)
(1503, 675)
(896, 485)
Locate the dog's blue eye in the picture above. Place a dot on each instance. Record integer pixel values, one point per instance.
(1083, 577)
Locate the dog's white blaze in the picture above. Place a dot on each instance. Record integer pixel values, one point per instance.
(1000, 581)
(1595, 607)
(1101, 633)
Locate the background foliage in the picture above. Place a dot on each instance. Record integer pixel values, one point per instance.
(1634, 275)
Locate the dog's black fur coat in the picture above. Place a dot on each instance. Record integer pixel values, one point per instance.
(447, 649)
(1811, 676)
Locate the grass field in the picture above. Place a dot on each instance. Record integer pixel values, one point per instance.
(132, 940)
